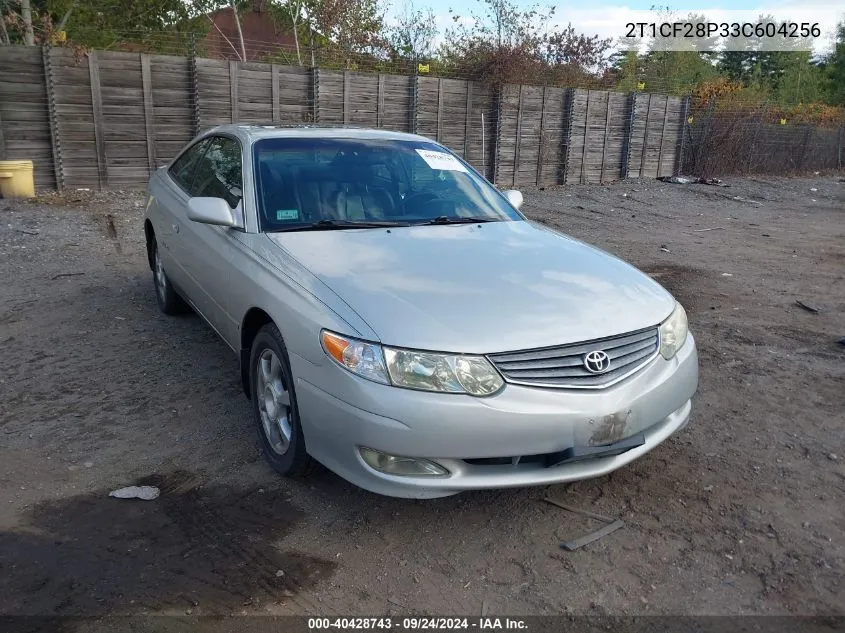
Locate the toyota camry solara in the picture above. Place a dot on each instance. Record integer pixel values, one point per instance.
(398, 320)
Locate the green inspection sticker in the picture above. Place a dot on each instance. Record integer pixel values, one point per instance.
(287, 214)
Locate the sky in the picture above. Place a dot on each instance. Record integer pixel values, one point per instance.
(607, 18)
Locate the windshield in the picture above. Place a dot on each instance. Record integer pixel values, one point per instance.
(304, 181)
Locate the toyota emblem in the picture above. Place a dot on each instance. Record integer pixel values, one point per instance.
(596, 362)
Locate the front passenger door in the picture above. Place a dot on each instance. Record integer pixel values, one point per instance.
(208, 249)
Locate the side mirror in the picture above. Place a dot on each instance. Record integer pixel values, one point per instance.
(514, 197)
(210, 211)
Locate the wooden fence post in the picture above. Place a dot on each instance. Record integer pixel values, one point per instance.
(629, 135)
(606, 134)
(568, 109)
(809, 130)
(149, 119)
(274, 92)
(55, 144)
(380, 102)
(584, 149)
(645, 135)
(662, 137)
(346, 91)
(751, 145)
(413, 99)
(233, 90)
(679, 157)
(315, 93)
(518, 137)
(541, 145)
(97, 111)
(195, 92)
(497, 113)
(467, 120)
(440, 98)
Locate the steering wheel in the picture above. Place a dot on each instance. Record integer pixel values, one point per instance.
(415, 199)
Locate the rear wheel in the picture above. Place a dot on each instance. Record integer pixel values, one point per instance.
(168, 299)
(274, 405)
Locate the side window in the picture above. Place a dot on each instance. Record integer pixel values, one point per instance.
(182, 170)
(218, 173)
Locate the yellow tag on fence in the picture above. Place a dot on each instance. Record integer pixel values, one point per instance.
(423, 68)
(783, 121)
(641, 85)
(690, 120)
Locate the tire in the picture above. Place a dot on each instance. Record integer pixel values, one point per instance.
(168, 299)
(274, 405)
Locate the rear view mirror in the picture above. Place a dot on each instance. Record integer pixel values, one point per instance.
(514, 197)
(214, 211)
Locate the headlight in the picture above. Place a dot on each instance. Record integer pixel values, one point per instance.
(359, 357)
(449, 373)
(673, 332)
(442, 372)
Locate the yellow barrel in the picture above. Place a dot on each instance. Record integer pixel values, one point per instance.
(16, 179)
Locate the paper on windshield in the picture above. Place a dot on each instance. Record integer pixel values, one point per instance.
(441, 160)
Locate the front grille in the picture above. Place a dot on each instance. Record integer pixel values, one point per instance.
(563, 366)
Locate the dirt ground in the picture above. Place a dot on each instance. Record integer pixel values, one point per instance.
(740, 513)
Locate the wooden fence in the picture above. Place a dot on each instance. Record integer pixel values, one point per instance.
(107, 120)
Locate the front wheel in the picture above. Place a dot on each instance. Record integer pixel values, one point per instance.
(274, 405)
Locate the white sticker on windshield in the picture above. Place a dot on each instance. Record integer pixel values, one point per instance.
(440, 160)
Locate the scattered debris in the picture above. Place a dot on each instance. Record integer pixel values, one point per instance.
(664, 249)
(678, 180)
(581, 541)
(727, 275)
(27, 232)
(842, 341)
(748, 200)
(833, 457)
(66, 275)
(585, 513)
(610, 527)
(808, 308)
(120, 318)
(692, 180)
(715, 228)
(279, 573)
(813, 189)
(147, 493)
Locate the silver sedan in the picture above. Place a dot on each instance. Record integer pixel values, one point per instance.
(398, 320)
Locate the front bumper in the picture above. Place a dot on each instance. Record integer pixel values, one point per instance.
(341, 412)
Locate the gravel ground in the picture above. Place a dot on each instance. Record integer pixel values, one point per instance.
(740, 513)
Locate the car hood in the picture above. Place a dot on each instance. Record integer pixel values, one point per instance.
(486, 288)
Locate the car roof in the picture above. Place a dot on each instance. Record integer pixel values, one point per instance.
(255, 131)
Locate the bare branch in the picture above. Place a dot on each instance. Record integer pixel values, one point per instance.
(240, 32)
(223, 35)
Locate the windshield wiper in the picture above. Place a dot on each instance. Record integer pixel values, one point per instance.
(445, 219)
(334, 225)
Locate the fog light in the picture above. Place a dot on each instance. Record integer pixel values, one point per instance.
(407, 466)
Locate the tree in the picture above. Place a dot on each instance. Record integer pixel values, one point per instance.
(104, 23)
(505, 44)
(835, 69)
(26, 16)
(354, 26)
(413, 35)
